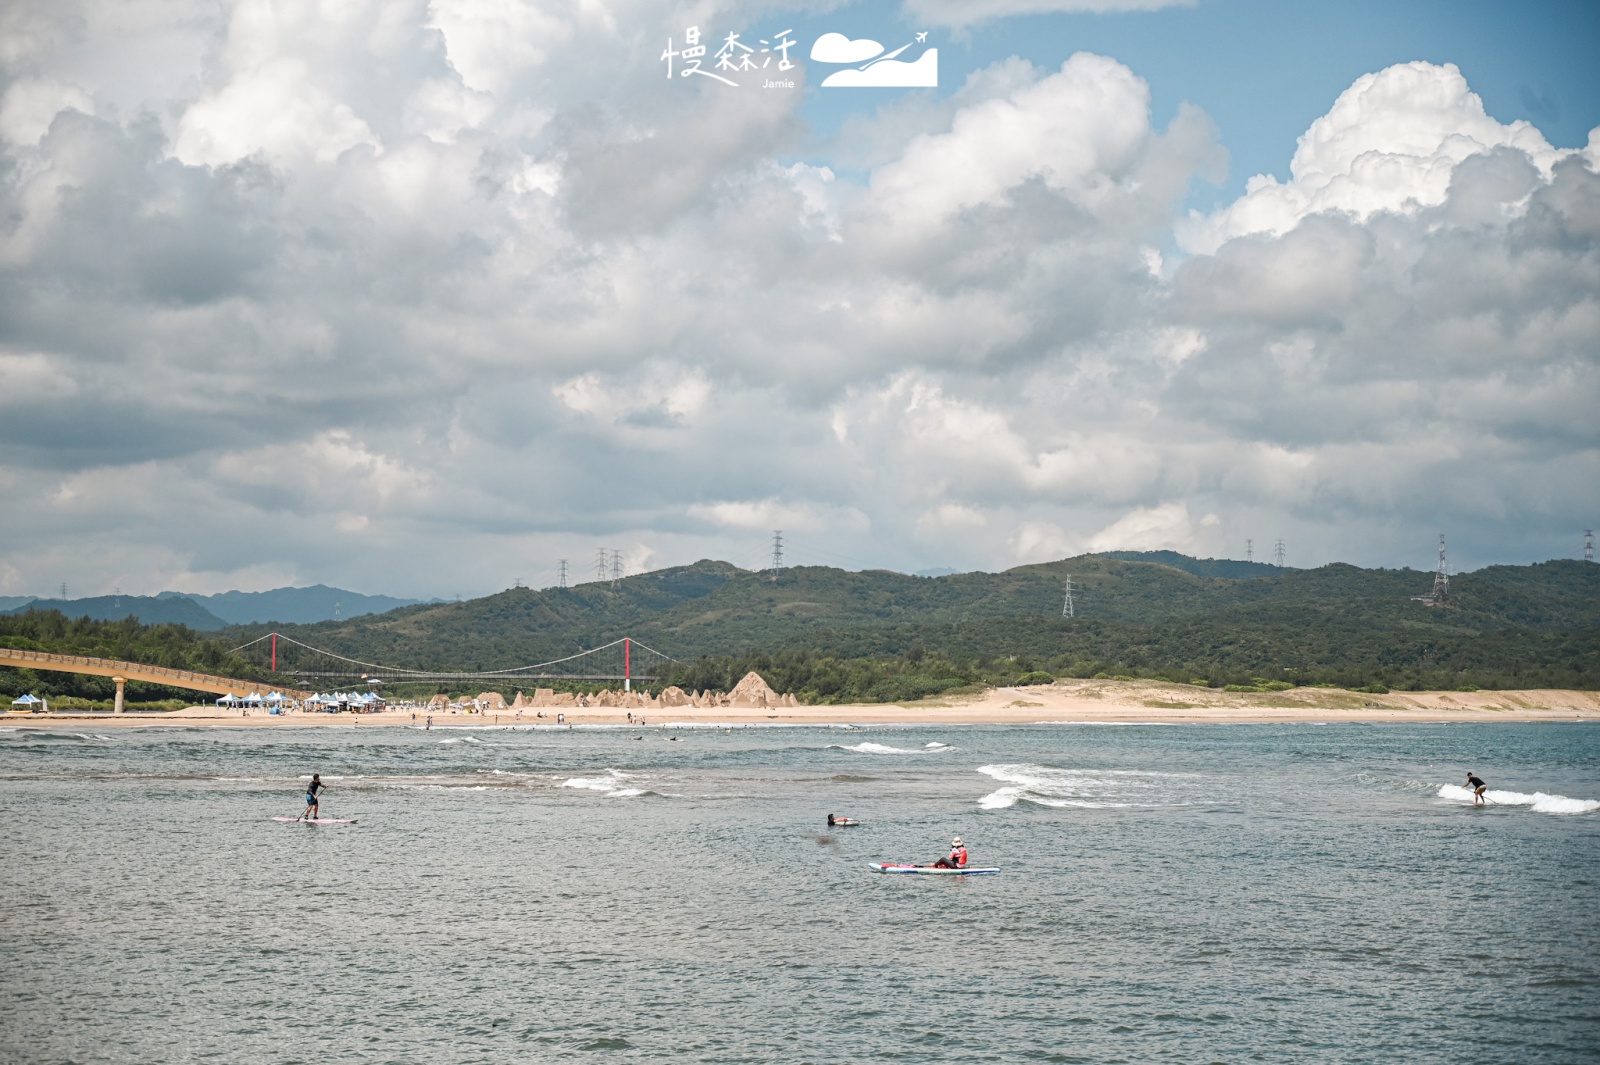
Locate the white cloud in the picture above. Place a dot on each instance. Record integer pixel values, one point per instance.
(1078, 131)
(277, 108)
(490, 302)
(1391, 142)
(763, 515)
(972, 12)
(31, 104)
(490, 42)
(26, 379)
(1167, 527)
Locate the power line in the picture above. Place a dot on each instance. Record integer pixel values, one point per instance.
(561, 576)
(1588, 545)
(616, 566)
(1067, 609)
(600, 565)
(1249, 550)
(777, 554)
(1278, 554)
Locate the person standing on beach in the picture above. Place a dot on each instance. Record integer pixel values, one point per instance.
(1477, 787)
(312, 809)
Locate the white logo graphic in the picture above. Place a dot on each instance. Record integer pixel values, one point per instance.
(734, 57)
(878, 71)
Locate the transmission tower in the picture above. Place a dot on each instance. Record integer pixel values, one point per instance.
(1441, 577)
(777, 554)
(1067, 609)
(561, 574)
(616, 566)
(600, 565)
(1277, 554)
(1249, 550)
(63, 589)
(1588, 545)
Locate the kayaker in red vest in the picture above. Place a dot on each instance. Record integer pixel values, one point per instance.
(957, 859)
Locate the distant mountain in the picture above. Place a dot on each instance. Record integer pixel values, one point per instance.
(297, 606)
(1504, 626)
(151, 610)
(11, 602)
(1230, 568)
(936, 571)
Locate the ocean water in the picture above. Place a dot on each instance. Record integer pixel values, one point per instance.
(1168, 893)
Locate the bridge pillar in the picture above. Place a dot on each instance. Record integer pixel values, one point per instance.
(120, 683)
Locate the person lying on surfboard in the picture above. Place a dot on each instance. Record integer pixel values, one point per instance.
(957, 858)
(312, 788)
(838, 819)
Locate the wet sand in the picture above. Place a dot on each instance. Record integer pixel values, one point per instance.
(1068, 701)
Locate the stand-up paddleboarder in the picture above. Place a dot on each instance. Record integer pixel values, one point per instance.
(312, 789)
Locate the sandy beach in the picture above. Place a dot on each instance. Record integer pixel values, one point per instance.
(1070, 701)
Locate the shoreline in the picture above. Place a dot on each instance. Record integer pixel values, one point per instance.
(1064, 702)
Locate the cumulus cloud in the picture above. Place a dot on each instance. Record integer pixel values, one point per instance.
(1391, 142)
(401, 297)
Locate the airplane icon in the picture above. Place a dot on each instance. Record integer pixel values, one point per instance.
(923, 36)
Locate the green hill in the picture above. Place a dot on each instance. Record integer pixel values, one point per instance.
(839, 634)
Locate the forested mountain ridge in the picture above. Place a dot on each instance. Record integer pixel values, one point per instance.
(1337, 622)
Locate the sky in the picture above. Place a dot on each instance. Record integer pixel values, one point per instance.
(421, 297)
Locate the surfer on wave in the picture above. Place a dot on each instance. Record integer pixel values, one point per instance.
(1477, 787)
(957, 858)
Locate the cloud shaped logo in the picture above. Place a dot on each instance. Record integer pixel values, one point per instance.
(837, 48)
(880, 71)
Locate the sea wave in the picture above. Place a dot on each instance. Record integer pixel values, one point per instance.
(1086, 788)
(613, 785)
(879, 748)
(1538, 802)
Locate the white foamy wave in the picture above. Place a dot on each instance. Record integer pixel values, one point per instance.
(879, 748)
(1538, 802)
(613, 785)
(1086, 788)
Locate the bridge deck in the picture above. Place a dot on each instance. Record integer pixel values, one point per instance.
(137, 671)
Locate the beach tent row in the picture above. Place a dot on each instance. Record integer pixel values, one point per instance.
(350, 699)
(330, 699)
(253, 699)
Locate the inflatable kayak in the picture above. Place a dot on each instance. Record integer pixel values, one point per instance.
(925, 870)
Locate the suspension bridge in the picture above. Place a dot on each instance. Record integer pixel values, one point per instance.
(625, 659)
